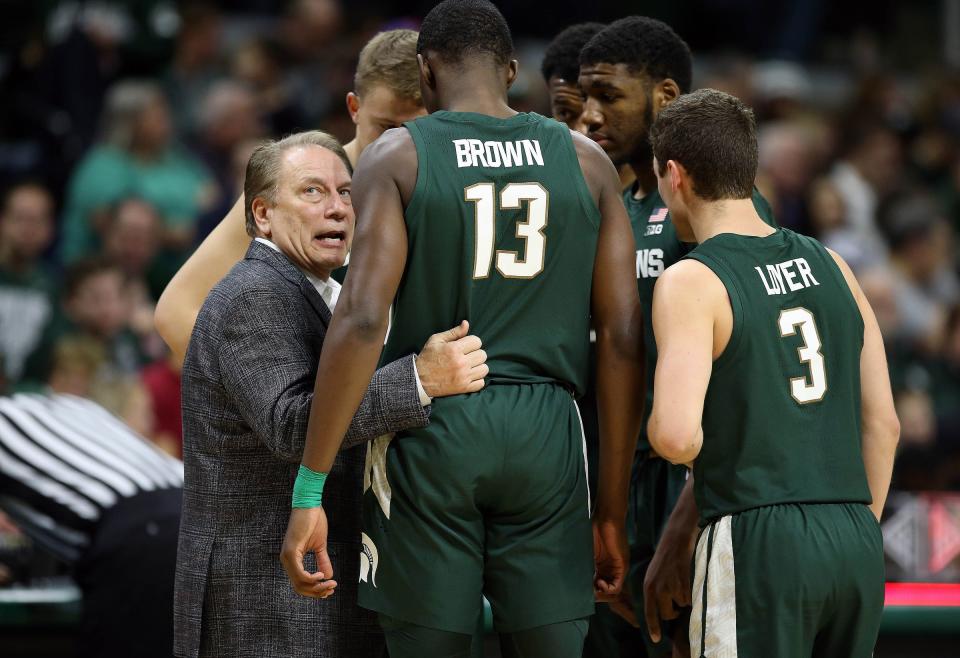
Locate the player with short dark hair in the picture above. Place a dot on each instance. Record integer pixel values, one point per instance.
(772, 380)
(561, 68)
(629, 72)
(515, 223)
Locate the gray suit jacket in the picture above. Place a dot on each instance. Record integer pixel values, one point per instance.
(247, 388)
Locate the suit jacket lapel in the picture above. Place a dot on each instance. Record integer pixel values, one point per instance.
(279, 262)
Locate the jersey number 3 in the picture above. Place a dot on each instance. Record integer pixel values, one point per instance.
(509, 263)
(814, 387)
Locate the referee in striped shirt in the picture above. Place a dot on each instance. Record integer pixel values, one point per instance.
(83, 485)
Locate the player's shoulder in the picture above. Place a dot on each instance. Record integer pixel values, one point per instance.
(588, 151)
(688, 278)
(598, 170)
(392, 157)
(393, 145)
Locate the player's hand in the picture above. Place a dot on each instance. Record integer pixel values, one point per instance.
(307, 531)
(610, 557)
(623, 607)
(681, 642)
(452, 362)
(666, 587)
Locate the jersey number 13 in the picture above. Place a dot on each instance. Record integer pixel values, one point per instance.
(509, 263)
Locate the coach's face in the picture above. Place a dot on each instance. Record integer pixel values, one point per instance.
(311, 219)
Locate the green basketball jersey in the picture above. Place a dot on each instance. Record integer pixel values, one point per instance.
(781, 420)
(657, 249)
(502, 232)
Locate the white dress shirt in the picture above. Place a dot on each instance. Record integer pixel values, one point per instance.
(329, 291)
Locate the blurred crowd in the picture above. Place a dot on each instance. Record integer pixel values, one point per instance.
(126, 127)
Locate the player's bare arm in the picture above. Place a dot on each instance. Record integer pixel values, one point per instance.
(353, 342)
(690, 313)
(880, 427)
(618, 324)
(181, 300)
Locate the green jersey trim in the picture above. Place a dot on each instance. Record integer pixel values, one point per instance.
(420, 187)
(719, 268)
(583, 190)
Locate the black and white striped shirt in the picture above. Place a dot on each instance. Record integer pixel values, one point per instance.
(65, 461)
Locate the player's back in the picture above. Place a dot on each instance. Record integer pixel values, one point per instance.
(502, 231)
(781, 421)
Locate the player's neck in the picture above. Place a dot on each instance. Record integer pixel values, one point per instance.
(646, 181)
(493, 107)
(474, 92)
(737, 216)
(352, 149)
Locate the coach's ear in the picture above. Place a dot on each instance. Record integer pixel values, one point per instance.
(512, 69)
(261, 216)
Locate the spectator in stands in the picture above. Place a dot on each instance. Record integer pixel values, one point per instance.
(80, 366)
(925, 280)
(136, 157)
(870, 170)
(85, 487)
(306, 33)
(94, 306)
(27, 289)
(161, 379)
(132, 243)
(132, 240)
(786, 159)
(228, 119)
(195, 66)
(259, 63)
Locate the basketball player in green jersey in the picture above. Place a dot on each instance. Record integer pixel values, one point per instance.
(560, 68)
(772, 379)
(629, 72)
(515, 223)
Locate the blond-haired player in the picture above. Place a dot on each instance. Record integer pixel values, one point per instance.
(386, 88)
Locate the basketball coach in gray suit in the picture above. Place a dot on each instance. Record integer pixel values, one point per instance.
(247, 389)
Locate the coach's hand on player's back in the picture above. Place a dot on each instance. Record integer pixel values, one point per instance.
(310, 523)
(452, 362)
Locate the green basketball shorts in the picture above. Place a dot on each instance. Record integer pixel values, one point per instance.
(491, 498)
(791, 581)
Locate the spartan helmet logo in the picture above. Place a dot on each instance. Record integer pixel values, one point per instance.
(369, 557)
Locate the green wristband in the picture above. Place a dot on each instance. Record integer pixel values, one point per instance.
(308, 488)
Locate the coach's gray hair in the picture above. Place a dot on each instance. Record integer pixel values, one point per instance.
(263, 168)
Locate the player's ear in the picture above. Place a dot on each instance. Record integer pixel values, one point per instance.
(664, 92)
(512, 69)
(426, 72)
(353, 105)
(675, 174)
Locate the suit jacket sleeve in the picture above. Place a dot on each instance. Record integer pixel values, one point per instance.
(268, 368)
(391, 403)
